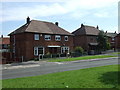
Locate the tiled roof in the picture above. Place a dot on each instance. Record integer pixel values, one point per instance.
(41, 27)
(111, 34)
(5, 40)
(86, 30)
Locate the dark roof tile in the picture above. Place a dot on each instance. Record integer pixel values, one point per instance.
(41, 27)
(86, 30)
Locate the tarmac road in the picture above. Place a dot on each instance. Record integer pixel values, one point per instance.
(51, 67)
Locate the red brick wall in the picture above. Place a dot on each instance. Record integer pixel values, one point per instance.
(25, 44)
(83, 41)
(117, 42)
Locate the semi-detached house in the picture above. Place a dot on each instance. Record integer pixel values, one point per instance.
(40, 37)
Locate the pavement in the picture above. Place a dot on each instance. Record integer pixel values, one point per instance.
(41, 63)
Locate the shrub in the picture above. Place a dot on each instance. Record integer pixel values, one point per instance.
(79, 50)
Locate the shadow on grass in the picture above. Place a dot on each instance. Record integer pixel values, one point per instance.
(111, 78)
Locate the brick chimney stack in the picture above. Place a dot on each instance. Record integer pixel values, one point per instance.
(56, 23)
(82, 25)
(97, 27)
(1, 36)
(28, 20)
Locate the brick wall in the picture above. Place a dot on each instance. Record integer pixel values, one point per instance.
(25, 43)
(84, 40)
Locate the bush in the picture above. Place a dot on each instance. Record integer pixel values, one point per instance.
(79, 50)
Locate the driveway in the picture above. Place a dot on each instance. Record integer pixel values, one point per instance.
(39, 68)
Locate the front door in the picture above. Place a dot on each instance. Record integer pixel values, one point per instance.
(53, 50)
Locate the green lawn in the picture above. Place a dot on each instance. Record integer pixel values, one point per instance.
(81, 58)
(96, 77)
(116, 53)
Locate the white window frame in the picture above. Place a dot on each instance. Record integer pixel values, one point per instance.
(47, 37)
(63, 49)
(36, 36)
(36, 51)
(57, 37)
(65, 38)
(113, 39)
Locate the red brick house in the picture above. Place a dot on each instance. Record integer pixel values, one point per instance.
(117, 42)
(4, 44)
(85, 36)
(111, 39)
(40, 37)
(4, 49)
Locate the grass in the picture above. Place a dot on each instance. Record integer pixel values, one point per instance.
(116, 53)
(81, 58)
(96, 77)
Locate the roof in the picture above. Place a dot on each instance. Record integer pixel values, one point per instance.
(111, 34)
(118, 35)
(86, 30)
(5, 40)
(41, 27)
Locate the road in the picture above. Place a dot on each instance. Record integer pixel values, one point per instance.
(51, 67)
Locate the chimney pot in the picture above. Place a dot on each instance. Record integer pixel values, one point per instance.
(82, 25)
(56, 23)
(97, 27)
(28, 20)
(106, 32)
(1, 36)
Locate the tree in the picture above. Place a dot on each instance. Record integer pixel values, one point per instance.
(102, 41)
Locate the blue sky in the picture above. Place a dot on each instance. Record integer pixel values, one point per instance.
(69, 13)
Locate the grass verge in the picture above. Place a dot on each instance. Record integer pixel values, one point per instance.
(96, 77)
(81, 58)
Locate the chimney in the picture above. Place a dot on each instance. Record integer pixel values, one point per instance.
(1, 36)
(28, 20)
(106, 32)
(56, 23)
(82, 25)
(97, 27)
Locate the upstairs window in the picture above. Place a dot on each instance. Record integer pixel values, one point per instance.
(57, 37)
(36, 36)
(47, 37)
(66, 38)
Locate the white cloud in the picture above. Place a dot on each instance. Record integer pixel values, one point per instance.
(77, 8)
(102, 14)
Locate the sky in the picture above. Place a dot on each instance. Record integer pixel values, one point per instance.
(69, 13)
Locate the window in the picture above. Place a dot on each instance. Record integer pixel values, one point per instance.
(38, 50)
(36, 36)
(113, 39)
(57, 38)
(35, 51)
(47, 37)
(64, 50)
(66, 38)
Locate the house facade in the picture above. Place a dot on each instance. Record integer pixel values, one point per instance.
(86, 37)
(111, 39)
(4, 44)
(117, 42)
(39, 38)
(4, 49)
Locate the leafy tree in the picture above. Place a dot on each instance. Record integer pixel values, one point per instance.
(102, 41)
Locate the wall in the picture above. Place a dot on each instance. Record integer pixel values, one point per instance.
(25, 44)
